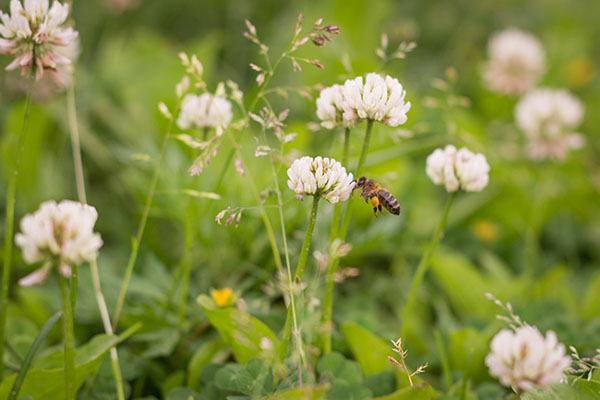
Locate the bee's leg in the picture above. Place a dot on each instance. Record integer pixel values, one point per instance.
(376, 205)
(380, 210)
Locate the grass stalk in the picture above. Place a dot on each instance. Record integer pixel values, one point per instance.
(334, 262)
(142, 225)
(81, 194)
(68, 338)
(291, 314)
(9, 223)
(424, 265)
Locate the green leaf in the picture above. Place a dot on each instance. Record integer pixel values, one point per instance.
(242, 333)
(254, 379)
(582, 390)
(342, 390)
(181, 393)
(382, 383)
(49, 383)
(14, 392)
(421, 391)
(333, 367)
(370, 351)
(463, 284)
(301, 393)
(467, 350)
(200, 359)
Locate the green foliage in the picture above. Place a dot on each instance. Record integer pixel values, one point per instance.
(242, 333)
(46, 379)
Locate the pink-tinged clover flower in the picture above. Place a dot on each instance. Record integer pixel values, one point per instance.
(34, 34)
(63, 232)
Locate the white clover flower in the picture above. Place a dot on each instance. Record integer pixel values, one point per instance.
(456, 170)
(548, 118)
(320, 177)
(64, 231)
(524, 358)
(378, 99)
(516, 63)
(203, 111)
(330, 107)
(35, 26)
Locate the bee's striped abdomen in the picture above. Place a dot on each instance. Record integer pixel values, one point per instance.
(389, 202)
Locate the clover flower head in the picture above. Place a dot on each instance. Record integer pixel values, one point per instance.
(548, 119)
(456, 170)
(330, 107)
(524, 358)
(376, 98)
(35, 33)
(320, 177)
(204, 111)
(63, 231)
(516, 63)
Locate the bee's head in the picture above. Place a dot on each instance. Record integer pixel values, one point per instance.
(360, 182)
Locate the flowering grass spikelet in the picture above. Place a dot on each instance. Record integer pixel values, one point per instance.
(376, 98)
(548, 119)
(204, 111)
(35, 34)
(524, 358)
(320, 177)
(456, 170)
(63, 231)
(517, 62)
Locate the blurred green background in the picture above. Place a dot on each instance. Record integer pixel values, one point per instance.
(532, 237)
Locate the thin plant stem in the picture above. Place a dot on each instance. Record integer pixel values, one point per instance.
(263, 213)
(424, 265)
(74, 129)
(81, 194)
(142, 225)
(68, 338)
(334, 262)
(185, 264)
(74, 286)
(337, 209)
(9, 223)
(299, 272)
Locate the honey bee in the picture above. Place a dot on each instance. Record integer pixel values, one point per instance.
(379, 196)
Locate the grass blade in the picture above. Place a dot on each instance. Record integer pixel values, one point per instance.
(14, 393)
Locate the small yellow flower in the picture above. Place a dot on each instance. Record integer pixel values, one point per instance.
(223, 297)
(485, 230)
(579, 71)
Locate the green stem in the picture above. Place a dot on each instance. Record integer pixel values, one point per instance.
(307, 238)
(334, 262)
(69, 339)
(9, 225)
(423, 266)
(140, 232)
(299, 272)
(80, 183)
(337, 209)
(263, 213)
(185, 264)
(74, 129)
(74, 286)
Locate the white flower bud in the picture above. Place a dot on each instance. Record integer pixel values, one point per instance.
(64, 231)
(456, 170)
(549, 118)
(205, 110)
(322, 177)
(524, 358)
(517, 62)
